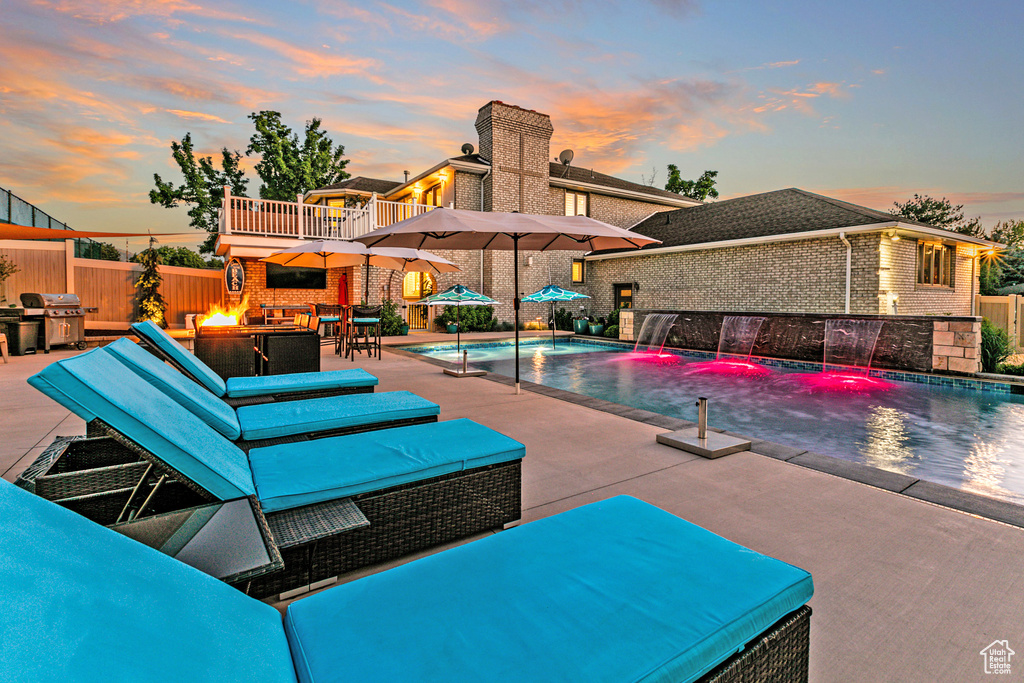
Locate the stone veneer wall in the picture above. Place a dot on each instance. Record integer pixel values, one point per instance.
(957, 346)
(951, 343)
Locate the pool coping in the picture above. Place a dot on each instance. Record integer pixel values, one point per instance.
(901, 484)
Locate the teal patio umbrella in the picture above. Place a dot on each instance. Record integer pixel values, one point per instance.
(553, 293)
(458, 296)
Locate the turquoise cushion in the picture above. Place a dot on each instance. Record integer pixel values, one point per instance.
(366, 321)
(194, 398)
(195, 367)
(285, 418)
(614, 591)
(84, 603)
(93, 384)
(296, 474)
(240, 387)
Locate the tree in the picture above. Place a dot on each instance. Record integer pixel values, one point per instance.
(182, 257)
(7, 269)
(203, 187)
(940, 213)
(107, 252)
(288, 168)
(151, 304)
(1010, 233)
(699, 189)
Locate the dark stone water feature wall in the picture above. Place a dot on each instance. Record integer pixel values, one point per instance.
(904, 342)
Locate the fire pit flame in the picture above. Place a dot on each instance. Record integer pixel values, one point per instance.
(221, 316)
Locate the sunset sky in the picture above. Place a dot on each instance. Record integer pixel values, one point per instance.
(868, 102)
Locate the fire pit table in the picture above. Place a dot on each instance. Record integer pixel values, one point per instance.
(253, 350)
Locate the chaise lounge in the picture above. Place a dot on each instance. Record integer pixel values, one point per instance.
(264, 424)
(416, 486)
(238, 391)
(613, 591)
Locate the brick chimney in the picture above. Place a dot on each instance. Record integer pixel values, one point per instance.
(517, 142)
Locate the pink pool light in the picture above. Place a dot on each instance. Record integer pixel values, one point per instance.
(735, 368)
(840, 382)
(648, 357)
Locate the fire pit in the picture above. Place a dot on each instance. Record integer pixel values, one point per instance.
(250, 350)
(233, 350)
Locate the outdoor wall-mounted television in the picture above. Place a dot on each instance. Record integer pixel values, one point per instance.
(288, 277)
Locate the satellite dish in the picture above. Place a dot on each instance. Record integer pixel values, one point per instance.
(565, 156)
(468, 149)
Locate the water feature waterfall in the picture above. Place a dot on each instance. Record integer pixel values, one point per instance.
(654, 331)
(851, 342)
(739, 332)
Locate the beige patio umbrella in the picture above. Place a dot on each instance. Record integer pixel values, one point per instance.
(342, 253)
(460, 229)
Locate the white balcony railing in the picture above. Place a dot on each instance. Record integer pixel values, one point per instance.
(267, 218)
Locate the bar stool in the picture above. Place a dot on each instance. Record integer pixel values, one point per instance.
(3, 346)
(364, 320)
(330, 316)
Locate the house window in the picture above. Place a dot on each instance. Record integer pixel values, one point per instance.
(623, 295)
(577, 270)
(575, 204)
(934, 264)
(418, 285)
(432, 197)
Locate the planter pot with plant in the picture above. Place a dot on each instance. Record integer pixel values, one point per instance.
(452, 328)
(405, 329)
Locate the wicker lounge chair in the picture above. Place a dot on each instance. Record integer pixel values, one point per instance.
(268, 423)
(249, 390)
(614, 591)
(417, 486)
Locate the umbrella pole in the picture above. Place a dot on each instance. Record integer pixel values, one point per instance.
(366, 281)
(515, 300)
(458, 334)
(552, 325)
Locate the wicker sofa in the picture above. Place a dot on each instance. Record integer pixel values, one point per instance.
(613, 591)
(250, 390)
(417, 486)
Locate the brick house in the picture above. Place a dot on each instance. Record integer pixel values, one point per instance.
(790, 251)
(512, 171)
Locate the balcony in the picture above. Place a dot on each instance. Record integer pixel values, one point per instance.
(267, 218)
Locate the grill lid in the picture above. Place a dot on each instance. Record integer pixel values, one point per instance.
(32, 300)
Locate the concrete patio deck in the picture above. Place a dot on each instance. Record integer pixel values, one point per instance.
(904, 589)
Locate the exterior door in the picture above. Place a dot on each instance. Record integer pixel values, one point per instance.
(623, 295)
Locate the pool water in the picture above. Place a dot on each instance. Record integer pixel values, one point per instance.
(963, 438)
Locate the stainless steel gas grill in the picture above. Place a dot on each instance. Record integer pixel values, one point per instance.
(61, 318)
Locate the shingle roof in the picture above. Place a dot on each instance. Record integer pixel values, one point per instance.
(587, 175)
(361, 184)
(781, 212)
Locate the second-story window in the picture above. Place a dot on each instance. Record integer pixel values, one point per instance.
(577, 270)
(432, 197)
(575, 204)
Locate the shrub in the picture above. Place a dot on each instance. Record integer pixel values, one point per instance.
(470, 318)
(563, 319)
(390, 322)
(612, 331)
(613, 318)
(995, 346)
(150, 302)
(1009, 369)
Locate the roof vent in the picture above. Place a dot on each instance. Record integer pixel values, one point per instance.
(468, 149)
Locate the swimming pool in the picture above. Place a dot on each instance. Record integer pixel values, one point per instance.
(969, 439)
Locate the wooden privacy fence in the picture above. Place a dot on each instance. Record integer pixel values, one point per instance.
(51, 267)
(1005, 312)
